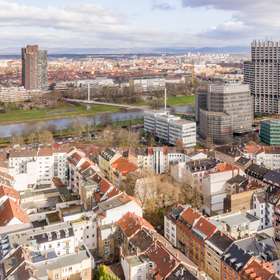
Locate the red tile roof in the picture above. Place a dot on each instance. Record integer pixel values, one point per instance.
(190, 215)
(85, 165)
(75, 158)
(130, 224)
(9, 210)
(258, 270)
(124, 166)
(164, 261)
(223, 167)
(8, 191)
(45, 152)
(58, 183)
(203, 226)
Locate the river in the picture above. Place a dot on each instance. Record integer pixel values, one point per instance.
(60, 124)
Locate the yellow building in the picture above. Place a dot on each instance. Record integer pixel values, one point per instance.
(215, 246)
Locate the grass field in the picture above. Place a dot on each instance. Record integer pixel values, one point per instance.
(65, 111)
(180, 100)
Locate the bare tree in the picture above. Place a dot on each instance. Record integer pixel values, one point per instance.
(32, 138)
(17, 140)
(45, 137)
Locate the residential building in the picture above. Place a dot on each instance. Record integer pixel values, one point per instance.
(184, 225)
(256, 269)
(23, 263)
(201, 231)
(170, 129)
(108, 213)
(238, 225)
(262, 209)
(106, 159)
(192, 171)
(263, 248)
(214, 187)
(239, 194)
(31, 168)
(233, 262)
(120, 169)
(158, 159)
(269, 157)
(10, 211)
(58, 238)
(215, 247)
(262, 74)
(34, 68)
(170, 221)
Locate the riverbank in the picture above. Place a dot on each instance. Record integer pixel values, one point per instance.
(63, 111)
(74, 110)
(181, 100)
(72, 132)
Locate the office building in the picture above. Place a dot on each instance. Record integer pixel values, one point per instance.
(200, 103)
(229, 111)
(34, 68)
(262, 74)
(170, 129)
(270, 132)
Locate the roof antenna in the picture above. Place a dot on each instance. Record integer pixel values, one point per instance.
(165, 99)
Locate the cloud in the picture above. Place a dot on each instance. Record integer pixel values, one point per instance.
(251, 19)
(163, 6)
(83, 25)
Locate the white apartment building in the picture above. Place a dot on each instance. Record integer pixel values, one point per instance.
(108, 213)
(262, 210)
(238, 225)
(269, 159)
(135, 268)
(16, 94)
(213, 187)
(36, 167)
(85, 229)
(170, 129)
(58, 238)
(148, 84)
(158, 159)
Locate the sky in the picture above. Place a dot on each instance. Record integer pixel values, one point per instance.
(136, 23)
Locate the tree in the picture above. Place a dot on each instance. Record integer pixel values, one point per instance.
(104, 273)
(179, 145)
(32, 138)
(17, 140)
(128, 184)
(45, 137)
(126, 139)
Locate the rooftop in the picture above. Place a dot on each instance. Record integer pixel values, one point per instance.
(220, 241)
(236, 258)
(69, 260)
(124, 166)
(164, 262)
(115, 202)
(181, 273)
(131, 224)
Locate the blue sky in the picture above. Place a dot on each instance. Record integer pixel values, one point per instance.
(137, 23)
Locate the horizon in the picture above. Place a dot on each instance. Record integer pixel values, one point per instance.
(135, 51)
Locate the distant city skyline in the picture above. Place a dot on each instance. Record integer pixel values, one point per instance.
(136, 24)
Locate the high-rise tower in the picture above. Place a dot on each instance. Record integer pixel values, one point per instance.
(262, 73)
(34, 68)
